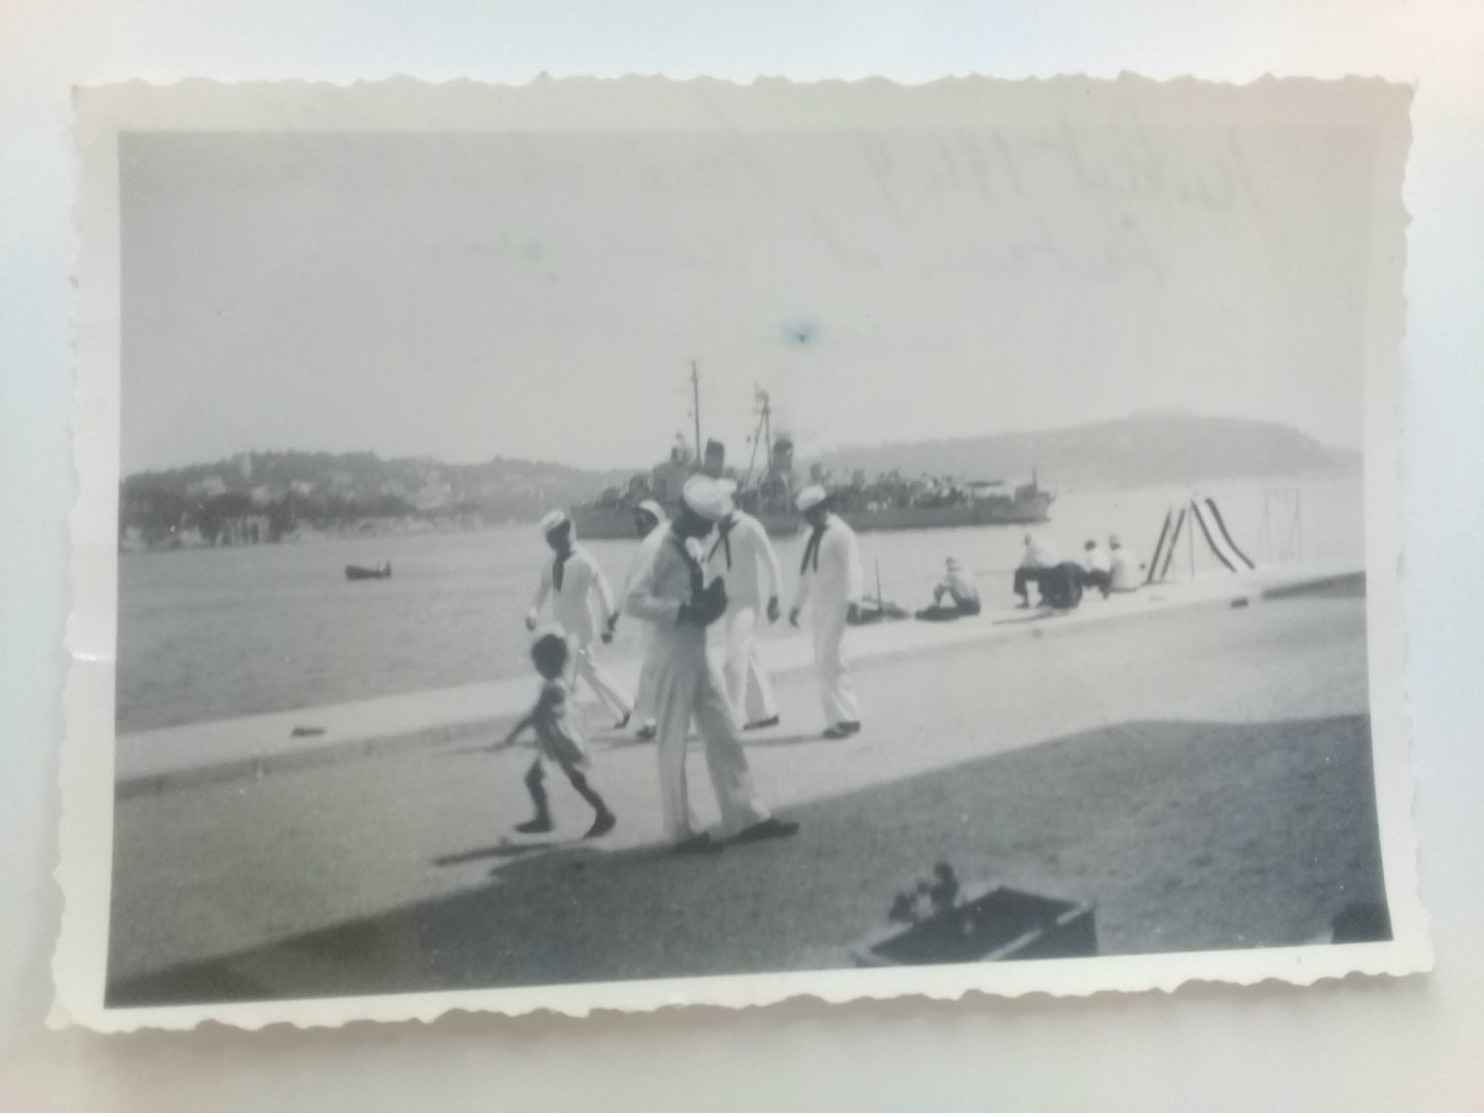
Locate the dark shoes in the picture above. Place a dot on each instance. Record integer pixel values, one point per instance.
(842, 730)
(766, 829)
(538, 825)
(765, 723)
(696, 843)
(601, 825)
(646, 733)
(758, 832)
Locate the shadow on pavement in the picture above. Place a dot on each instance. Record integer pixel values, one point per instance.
(1184, 835)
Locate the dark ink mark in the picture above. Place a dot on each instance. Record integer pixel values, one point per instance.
(800, 332)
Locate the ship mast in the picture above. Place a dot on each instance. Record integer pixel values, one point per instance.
(695, 391)
(764, 430)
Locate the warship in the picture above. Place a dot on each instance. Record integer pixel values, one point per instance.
(891, 502)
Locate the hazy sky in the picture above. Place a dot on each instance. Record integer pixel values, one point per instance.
(471, 295)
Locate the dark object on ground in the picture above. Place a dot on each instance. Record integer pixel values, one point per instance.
(949, 612)
(1061, 586)
(646, 733)
(875, 611)
(368, 573)
(1363, 923)
(991, 924)
(1240, 603)
(307, 731)
(765, 723)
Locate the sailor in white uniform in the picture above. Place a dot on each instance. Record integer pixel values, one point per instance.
(652, 524)
(672, 594)
(1123, 567)
(830, 583)
(571, 580)
(741, 554)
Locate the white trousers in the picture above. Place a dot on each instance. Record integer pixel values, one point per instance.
(644, 703)
(687, 687)
(585, 667)
(831, 666)
(748, 688)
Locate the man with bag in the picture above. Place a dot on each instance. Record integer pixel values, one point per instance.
(672, 594)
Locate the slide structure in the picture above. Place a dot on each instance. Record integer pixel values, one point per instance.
(1199, 515)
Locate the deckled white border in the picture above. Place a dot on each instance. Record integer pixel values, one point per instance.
(79, 965)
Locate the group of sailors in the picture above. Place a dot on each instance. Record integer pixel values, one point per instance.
(712, 565)
(1060, 584)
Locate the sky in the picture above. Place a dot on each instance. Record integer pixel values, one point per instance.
(542, 295)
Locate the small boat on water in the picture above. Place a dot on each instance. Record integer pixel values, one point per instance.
(366, 573)
(877, 610)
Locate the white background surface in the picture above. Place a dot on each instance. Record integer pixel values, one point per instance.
(1355, 1044)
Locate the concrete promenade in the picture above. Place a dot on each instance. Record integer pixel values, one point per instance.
(1200, 772)
(233, 748)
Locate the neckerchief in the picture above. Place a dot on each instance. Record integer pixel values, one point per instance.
(811, 548)
(723, 539)
(556, 569)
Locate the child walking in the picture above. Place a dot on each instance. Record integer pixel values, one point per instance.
(558, 739)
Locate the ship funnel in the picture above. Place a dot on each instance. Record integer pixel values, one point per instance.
(782, 461)
(716, 458)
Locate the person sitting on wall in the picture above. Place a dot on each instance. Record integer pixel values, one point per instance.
(1097, 568)
(959, 588)
(1124, 567)
(1040, 558)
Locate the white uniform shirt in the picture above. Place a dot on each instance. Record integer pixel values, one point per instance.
(959, 587)
(645, 552)
(662, 585)
(1096, 559)
(838, 579)
(1040, 555)
(1125, 571)
(752, 574)
(572, 605)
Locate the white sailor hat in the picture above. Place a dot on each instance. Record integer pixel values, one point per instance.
(706, 497)
(811, 497)
(652, 508)
(553, 520)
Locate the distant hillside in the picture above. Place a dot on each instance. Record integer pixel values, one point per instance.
(1146, 449)
(265, 496)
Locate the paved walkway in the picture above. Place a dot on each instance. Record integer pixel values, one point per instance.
(371, 871)
(252, 745)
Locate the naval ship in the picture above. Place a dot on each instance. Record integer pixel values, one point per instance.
(890, 503)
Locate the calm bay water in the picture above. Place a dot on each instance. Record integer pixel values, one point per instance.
(212, 634)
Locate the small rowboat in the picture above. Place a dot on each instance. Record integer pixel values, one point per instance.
(363, 573)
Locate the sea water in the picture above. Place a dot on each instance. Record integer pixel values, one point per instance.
(219, 633)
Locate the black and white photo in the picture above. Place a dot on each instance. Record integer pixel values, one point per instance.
(612, 544)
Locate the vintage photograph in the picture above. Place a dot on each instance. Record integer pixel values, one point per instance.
(610, 544)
